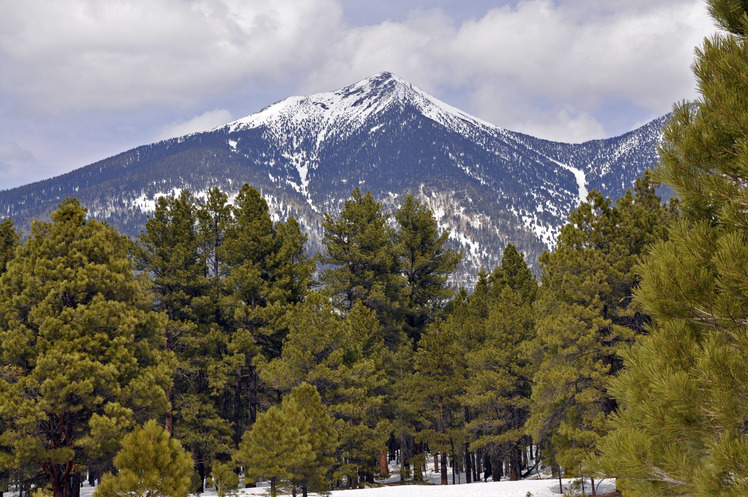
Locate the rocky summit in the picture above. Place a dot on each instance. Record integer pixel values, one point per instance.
(487, 185)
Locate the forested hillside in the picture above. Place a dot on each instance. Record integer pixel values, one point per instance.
(212, 347)
(214, 324)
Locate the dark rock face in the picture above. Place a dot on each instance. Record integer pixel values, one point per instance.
(488, 185)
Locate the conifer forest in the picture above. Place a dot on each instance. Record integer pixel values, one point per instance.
(215, 350)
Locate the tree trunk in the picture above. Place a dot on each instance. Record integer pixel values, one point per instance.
(252, 394)
(592, 484)
(384, 469)
(497, 466)
(468, 465)
(273, 492)
(443, 458)
(515, 463)
(200, 467)
(237, 407)
(403, 457)
(454, 461)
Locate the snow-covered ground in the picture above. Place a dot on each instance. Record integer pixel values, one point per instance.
(525, 488)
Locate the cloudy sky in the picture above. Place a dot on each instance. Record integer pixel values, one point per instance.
(81, 80)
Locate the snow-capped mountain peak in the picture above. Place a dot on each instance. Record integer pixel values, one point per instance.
(305, 154)
(355, 105)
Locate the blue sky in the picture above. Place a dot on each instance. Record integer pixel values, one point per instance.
(81, 80)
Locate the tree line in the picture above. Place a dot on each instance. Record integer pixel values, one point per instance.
(214, 335)
(313, 374)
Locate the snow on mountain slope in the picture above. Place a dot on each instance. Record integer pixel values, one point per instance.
(351, 107)
(490, 186)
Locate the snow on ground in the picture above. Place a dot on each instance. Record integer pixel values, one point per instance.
(525, 488)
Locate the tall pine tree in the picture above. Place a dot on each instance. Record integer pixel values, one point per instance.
(426, 263)
(364, 267)
(681, 428)
(586, 316)
(78, 342)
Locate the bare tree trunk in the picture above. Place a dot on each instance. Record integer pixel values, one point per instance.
(237, 407)
(515, 463)
(384, 469)
(443, 458)
(468, 465)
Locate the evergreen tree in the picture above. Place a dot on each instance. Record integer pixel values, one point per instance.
(9, 240)
(323, 439)
(586, 315)
(173, 253)
(77, 339)
(436, 388)
(344, 358)
(681, 427)
(292, 443)
(214, 218)
(267, 273)
(359, 247)
(499, 372)
(149, 464)
(224, 478)
(426, 264)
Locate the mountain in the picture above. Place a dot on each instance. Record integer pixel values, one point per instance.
(488, 185)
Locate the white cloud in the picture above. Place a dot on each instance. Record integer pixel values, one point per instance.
(82, 79)
(521, 65)
(86, 54)
(11, 151)
(203, 122)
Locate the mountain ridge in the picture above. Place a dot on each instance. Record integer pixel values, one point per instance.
(488, 185)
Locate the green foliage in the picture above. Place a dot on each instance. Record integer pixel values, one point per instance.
(344, 357)
(292, 443)
(426, 264)
(586, 315)
(9, 240)
(682, 421)
(225, 275)
(172, 250)
(149, 464)
(498, 393)
(224, 478)
(360, 249)
(80, 349)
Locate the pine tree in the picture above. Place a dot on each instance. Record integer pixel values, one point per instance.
(267, 273)
(172, 251)
(344, 357)
(681, 427)
(9, 240)
(292, 443)
(499, 372)
(359, 246)
(426, 264)
(149, 464)
(436, 388)
(77, 340)
(323, 439)
(224, 478)
(586, 316)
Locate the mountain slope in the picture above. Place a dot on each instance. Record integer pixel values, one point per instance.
(488, 185)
